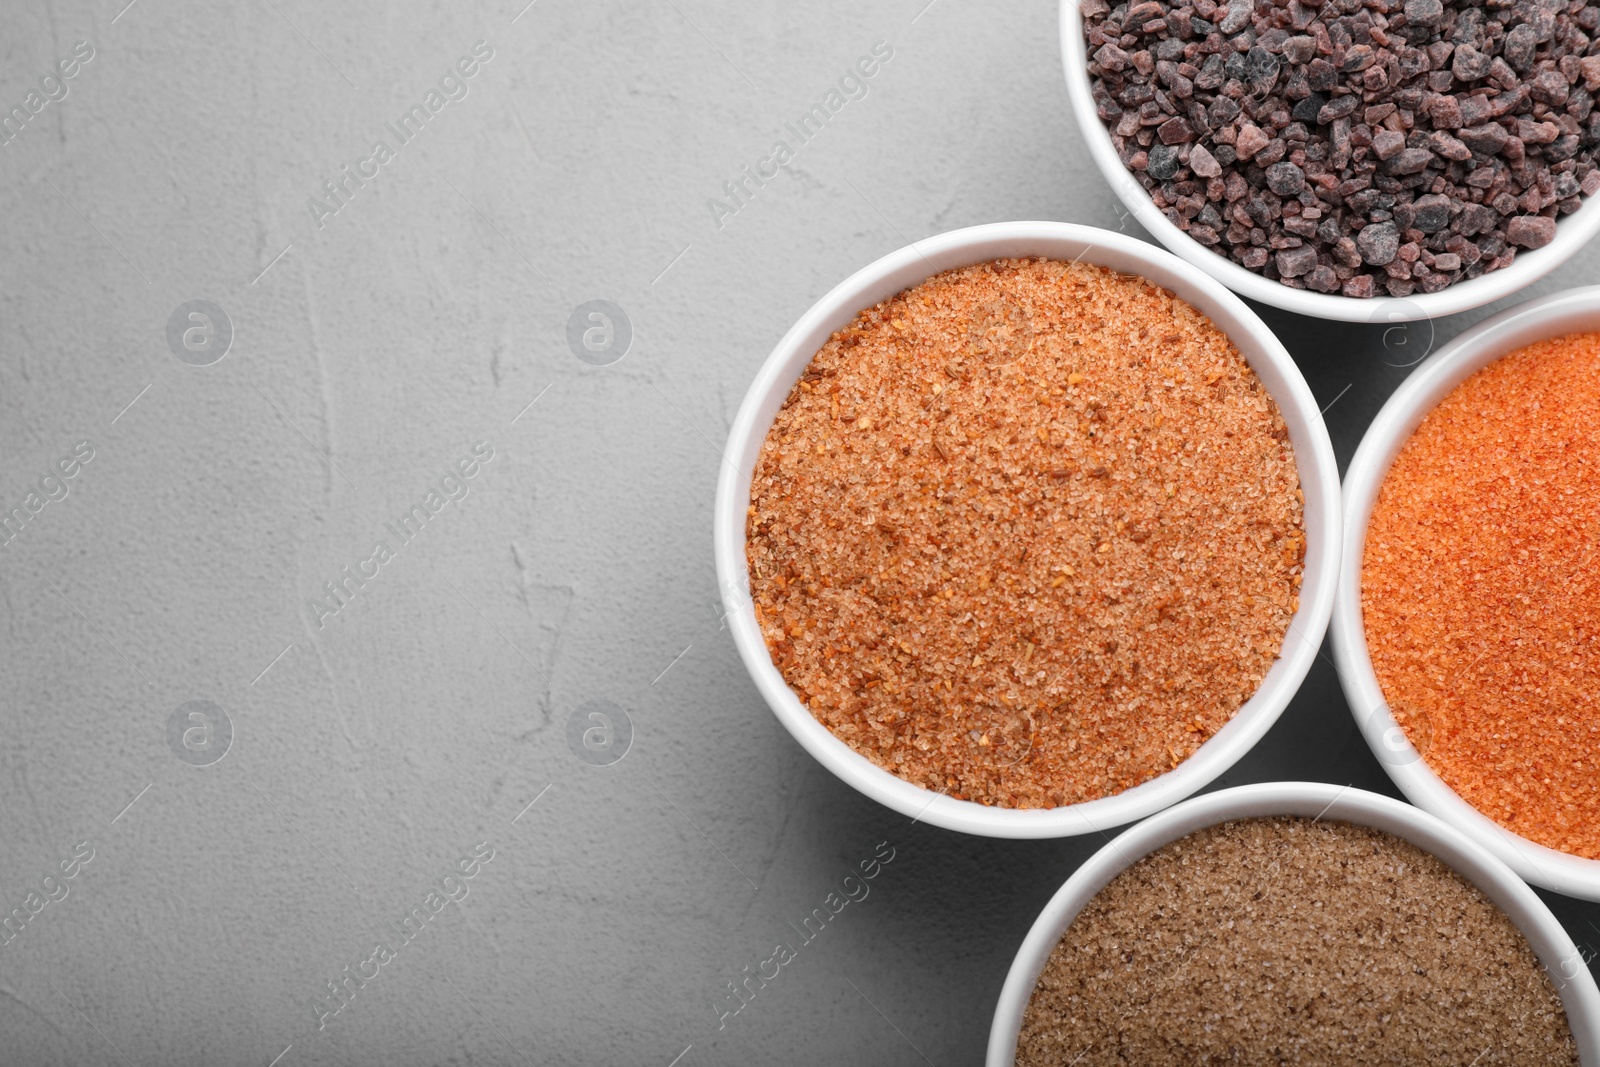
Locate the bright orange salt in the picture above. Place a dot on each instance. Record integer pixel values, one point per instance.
(1481, 591)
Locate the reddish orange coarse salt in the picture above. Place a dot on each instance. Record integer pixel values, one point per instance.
(1028, 533)
(1480, 591)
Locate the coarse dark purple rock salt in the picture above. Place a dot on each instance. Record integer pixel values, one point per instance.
(1364, 147)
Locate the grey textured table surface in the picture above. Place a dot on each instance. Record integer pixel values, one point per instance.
(372, 347)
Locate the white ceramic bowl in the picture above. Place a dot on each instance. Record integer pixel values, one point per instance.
(900, 270)
(1571, 234)
(1556, 951)
(1566, 312)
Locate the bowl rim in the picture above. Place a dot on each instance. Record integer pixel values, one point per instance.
(1440, 374)
(1572, 232)
(909, 266)
(1550, 941)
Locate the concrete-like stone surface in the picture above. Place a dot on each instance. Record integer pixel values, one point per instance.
(374, 748)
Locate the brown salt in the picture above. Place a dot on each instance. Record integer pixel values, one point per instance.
(1480, 591)
(1292, 941)
(1028, 533)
